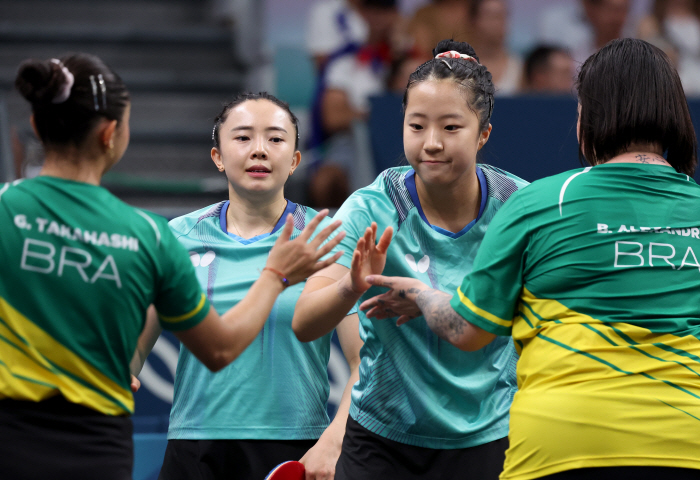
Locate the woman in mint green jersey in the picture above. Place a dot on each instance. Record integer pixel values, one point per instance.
(80, 268)
(270, 406)
(422, 408)
(595, 273)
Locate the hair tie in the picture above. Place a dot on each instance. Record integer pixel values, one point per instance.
(64, 92)
(455, 54)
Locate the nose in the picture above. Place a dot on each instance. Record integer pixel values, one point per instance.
(433, 141)
(259, 149)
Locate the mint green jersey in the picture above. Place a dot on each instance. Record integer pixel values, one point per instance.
(278, 387)
(595, 273)
(80, 268)
(414, 387)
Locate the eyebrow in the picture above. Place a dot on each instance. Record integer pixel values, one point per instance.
(268, 129)
(447, 115)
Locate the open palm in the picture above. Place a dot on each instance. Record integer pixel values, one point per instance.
(369, 257)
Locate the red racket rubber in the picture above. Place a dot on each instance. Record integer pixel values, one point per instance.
(291, 470)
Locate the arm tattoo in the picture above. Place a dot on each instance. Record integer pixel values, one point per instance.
(441, 317)
(402, 292)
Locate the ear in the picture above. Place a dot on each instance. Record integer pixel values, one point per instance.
(484, 137)
(216, 158)
(296, 160)
(106, 134)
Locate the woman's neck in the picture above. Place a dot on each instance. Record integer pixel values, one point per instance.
(74, 166)
(249, 216)
(645, 154)
(452, 206)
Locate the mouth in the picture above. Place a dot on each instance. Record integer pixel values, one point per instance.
(258, 169)
(430, 161)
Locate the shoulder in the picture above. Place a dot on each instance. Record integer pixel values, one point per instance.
(501, 184)
(386, 200)
(183, 225)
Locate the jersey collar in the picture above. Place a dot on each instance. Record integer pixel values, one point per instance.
(410, 182)
(291, 206)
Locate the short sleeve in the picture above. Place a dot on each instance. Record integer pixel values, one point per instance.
(179, 300)
(488, 296)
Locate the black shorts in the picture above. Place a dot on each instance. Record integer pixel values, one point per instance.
(58, 440)
(627, 473)
(367, 455)
(228, 459)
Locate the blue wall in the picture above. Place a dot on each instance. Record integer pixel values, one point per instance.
(532, 137)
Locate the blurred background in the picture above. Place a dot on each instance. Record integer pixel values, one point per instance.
(342, 65)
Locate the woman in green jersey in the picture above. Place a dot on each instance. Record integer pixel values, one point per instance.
(80, 268)
(270, 406)
(595, 274)
(422, 408)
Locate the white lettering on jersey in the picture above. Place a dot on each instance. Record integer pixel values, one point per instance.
(38, 256)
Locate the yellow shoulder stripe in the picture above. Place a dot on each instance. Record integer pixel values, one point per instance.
(186, 316)
(481, 312)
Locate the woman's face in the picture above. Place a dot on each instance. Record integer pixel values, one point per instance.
(441, 135)
(257, 147)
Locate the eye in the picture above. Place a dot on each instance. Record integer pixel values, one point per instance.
(452, 128)
(242, 138)
(277, 140)
(415, 126)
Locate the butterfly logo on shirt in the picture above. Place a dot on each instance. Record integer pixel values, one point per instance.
(421, 266)
(203, 261)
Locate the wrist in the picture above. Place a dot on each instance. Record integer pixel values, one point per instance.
(273, 272)
(346, 290)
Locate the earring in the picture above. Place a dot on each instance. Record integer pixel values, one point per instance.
(221, 169)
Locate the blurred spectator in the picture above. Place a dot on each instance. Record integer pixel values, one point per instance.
(402, 68)
(675, 25)
(489, 32)
(437, 21)
(335, 27)
(549, 69)
(346, 82)
(586, 27)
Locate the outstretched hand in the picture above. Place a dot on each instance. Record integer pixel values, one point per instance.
(299, 258)
(399, 301)
(368, 258)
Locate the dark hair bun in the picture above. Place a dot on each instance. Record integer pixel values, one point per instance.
(461, 47)
(40, 81)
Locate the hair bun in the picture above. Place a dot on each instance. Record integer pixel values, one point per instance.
(41, 81)
(461, 47)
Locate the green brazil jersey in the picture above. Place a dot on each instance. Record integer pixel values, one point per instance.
(596, 275)
(278, 387)
(414, 387)
(80, 268)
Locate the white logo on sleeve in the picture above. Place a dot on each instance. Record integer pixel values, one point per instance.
(203, 261)
(421, 266)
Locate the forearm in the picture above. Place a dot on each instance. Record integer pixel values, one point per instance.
(449, 325)
(149, 335)
(243, 322)
(319, 312)
(336, 430)
(217, 341)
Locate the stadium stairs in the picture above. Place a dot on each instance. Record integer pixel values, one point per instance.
(179, 65)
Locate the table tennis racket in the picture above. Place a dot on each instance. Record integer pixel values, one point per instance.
(291, 470)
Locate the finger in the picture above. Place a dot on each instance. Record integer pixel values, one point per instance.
(330, 245)
(311, 226)
(373, 227)
(403, 319)
(385, 240)
(370, 303)
(325, 233)
(287, 229)
(380, 281)
(329, 261)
